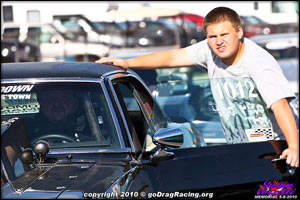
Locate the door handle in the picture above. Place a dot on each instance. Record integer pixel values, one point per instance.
(278, 160)
(279, 164)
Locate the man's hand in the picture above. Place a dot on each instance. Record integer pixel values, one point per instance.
(160, 59)
(287, 123)
(292, 156)
(115, 61)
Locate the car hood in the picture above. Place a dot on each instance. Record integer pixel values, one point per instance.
(67, 180)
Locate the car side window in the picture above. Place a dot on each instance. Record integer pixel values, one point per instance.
(11, 33)
(46, 35)
(135, 117)
(224, 110)
(13, 142)
(142, 111)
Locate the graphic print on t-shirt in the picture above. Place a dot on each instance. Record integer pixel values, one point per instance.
(242, 112)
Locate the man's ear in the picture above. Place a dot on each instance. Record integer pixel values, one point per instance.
(240, 32)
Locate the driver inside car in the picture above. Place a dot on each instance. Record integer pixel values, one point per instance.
(60, 118)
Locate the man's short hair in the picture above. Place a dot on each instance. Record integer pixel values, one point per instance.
(221, 14)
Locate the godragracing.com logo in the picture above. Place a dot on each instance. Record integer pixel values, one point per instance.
(276, 190)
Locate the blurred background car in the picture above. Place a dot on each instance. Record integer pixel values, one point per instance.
(111, 33)
(82, 29)
(192, 25)
(15, 51)
(145, 29)
(253, 26)
(55, 45)
(152, 29)
(190, 17)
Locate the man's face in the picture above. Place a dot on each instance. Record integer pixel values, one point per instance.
(224, 40)
(57, 106)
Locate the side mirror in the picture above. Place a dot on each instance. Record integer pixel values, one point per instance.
(166, 137)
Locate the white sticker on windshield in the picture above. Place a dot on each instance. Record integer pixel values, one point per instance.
(19, 103)
(16, 96)
(16, 88)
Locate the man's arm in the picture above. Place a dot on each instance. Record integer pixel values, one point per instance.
(287, 124)
(168, 58)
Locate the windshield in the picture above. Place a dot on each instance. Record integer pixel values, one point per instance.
(66, 115)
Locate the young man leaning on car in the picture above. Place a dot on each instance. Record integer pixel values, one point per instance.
(225, 53)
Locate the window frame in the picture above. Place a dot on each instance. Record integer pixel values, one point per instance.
(137, 85)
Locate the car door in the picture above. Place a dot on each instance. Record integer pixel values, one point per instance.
(236, 168)
(221, 170)
(137, 108)
(233, 167)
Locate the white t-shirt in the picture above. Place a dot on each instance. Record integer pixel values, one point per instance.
(256, 64)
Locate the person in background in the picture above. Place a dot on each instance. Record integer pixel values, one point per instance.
(226, 53)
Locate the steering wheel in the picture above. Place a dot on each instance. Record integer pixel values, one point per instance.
(59, 136)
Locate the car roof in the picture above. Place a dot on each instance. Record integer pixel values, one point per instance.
(55, 70)
(278, 40)
(145, 12)
(274, 36)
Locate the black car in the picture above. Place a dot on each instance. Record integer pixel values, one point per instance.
(15, 51)
(119, 143)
